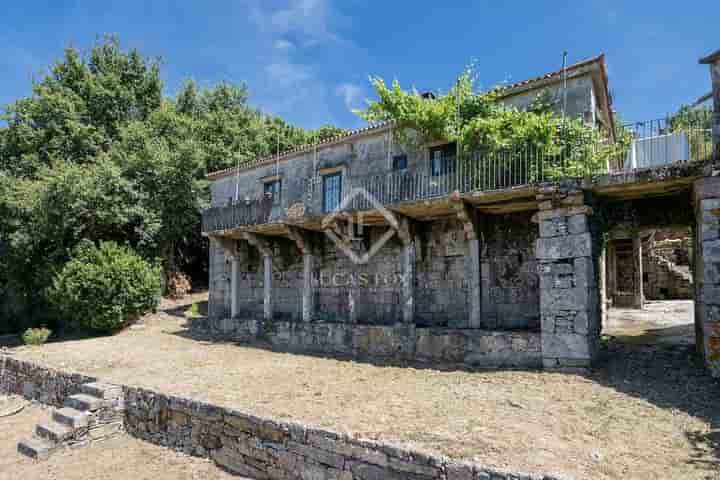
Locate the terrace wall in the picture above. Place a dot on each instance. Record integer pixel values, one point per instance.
(256, 447)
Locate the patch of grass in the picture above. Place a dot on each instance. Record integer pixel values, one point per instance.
(193, 311)
(36, 336)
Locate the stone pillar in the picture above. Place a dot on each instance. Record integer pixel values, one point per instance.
(267, 287)
(408, 283)
(638, 298)
(714, 61)
(352, 300)
(611, 272)
(234, 285)
(304, 242)
(707, 271)
(468, 216)
(569, 293)
(266, 251)
(474, 283)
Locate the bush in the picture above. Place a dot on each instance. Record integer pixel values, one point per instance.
(105, 287)
(36, 336)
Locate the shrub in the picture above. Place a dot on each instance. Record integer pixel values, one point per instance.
(36, 336)
(105, 287)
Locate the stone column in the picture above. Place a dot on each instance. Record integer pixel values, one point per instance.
(638, 298)
(611, 272)
(468, 216)
(707, 271)
(304, 242)
(266, 251)
(569, 293)
(308, 297)
(267, 286)
(408, 284)
(714, 61)
(234, 285)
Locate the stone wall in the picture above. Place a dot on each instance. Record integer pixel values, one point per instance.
(511, 298)
(438, 346)
(707, 271)
(261, 448)
(39, 383)
(264, 448)
(508, 264)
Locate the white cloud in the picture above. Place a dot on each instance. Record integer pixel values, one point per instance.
(283, 45)
(286, 74)
(311, 20)
(351, 94)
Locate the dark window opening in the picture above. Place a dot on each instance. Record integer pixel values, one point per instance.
(442, 159)
(399, 162)
(332, 191)
(273, 189)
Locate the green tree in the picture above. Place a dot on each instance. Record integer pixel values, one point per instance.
(77, 110)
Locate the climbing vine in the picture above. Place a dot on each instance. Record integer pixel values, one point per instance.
(481, 124)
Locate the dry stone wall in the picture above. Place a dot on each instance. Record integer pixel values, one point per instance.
(260, 448)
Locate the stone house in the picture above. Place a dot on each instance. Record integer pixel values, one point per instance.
(356, 247)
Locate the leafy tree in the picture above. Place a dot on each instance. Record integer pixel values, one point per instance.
(96, 153)
(78, 109)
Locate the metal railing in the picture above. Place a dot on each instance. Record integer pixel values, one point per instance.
(682, 138)
(244, 212)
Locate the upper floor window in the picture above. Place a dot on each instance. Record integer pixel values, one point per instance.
(273, 188)
(332, 191)
(442, 159)
(399, 162)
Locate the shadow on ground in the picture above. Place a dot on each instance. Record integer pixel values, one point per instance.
(669, 376)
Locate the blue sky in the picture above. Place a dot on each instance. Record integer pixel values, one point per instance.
(308, 60)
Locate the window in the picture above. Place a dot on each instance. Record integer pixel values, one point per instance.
(332, 191)
(442, 159)
(273, 188)
(399, 162)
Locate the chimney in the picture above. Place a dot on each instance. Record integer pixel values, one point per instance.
(714, 61)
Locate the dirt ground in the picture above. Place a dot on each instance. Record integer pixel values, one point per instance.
(118, 458)
(646, 412)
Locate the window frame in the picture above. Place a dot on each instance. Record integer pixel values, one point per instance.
(325, 179)
(274, 186)
(446, 163)
(396, 159)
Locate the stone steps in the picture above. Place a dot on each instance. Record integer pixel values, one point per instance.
(84, 402)
(36, 448)
(92, 414)
(71, 417)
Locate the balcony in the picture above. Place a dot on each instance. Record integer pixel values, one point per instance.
(646, 145)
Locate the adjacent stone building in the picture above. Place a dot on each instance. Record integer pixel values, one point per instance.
(356, 247)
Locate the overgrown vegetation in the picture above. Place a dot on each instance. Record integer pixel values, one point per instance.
(99, 153)
(104, 287)
(481, 124)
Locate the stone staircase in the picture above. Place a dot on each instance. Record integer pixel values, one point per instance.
(94, 414)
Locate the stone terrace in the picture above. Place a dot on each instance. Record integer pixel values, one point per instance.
(594, 426)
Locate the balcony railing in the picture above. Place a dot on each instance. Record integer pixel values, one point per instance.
(639, 145)
(256, 211)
